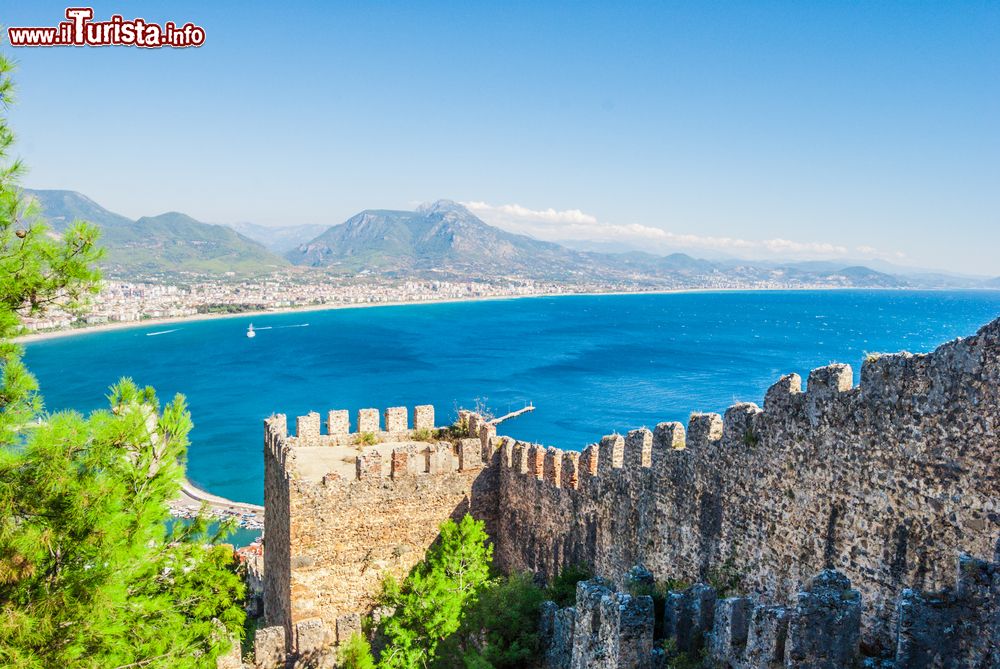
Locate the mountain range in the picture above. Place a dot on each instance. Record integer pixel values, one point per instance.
(445, 237)
(442, 239)
(170, 242)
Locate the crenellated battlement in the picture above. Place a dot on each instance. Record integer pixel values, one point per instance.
(392, 424)
(370, 454)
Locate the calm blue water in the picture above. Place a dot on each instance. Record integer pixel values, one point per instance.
(591, 365)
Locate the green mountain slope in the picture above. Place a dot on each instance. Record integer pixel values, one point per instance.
(171, 242)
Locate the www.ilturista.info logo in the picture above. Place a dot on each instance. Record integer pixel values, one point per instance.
(80, 30)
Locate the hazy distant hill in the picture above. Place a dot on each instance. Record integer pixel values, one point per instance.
(279, 239)
(166, 243)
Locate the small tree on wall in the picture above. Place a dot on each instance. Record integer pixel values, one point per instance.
(429, 603)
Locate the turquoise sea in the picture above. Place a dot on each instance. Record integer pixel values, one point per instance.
(590, 364)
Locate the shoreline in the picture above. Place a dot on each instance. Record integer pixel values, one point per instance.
(155, 322)
(174, 320)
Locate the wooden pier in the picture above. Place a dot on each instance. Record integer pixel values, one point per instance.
(513, 414)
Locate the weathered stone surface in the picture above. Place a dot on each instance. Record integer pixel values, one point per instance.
(269, 648)
(310, 637)
(611, 629)
(347, 626)
(338, 422)
(552, 467)
(635, 631)
(728, 639)
(368, 420)
(470, 455)
(824, 627)
(369, 465)
(231, 659)
(307, 427)
(612, 454)
(952, 628)
(555, 631)
(396, 419)
(688, 616)
(589, 637)
(423, 417)
(329, 545)
(766, 637)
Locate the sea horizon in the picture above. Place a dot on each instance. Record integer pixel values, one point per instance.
(592, 366)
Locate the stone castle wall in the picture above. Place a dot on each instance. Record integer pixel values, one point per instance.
(330, 540)
(886, 482)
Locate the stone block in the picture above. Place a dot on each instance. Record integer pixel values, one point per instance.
(830, 380)
(536, 461)
(470, 455)
(589, 459)
(399, 466)
(766, 636)
(269, 648)
(473, 423)
(612, 454)
(570, 476)
(552, 466)
(688, 615)
(668, 437)
(487, 434)
(782, 393)
(310, 637)
(396, 419)
(635, 631)
(369, 465)
(368, 420)
(730, 629)
(738, 424)
(555, 630)
(423, 417)
(307, 427)
(347, 626)
(704, 429)
(638, 449)
(338, 422)
(440, 459)
(824, 628)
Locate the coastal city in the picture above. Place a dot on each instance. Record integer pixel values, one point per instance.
(135, 301)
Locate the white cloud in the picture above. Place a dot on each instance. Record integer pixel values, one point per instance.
(574, 224)
(547, 215)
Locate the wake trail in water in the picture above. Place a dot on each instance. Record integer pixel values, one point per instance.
(153, 334)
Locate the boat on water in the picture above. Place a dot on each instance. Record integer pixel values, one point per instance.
(250, 333)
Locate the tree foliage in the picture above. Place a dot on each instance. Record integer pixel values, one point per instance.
(89, 574)
(357, 653)
(430, 602)
(500, 629)
(450, 613)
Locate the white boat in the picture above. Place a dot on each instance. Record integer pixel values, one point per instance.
(250, 333)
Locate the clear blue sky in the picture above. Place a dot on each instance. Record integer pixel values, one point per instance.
(801, 129)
